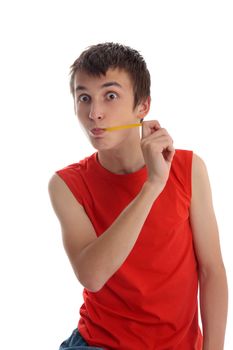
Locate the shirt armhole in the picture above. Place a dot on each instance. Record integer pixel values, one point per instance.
(189, 173)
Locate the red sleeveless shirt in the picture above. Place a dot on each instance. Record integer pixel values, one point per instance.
(150, 303)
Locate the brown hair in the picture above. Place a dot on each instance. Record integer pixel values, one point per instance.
(97, 59)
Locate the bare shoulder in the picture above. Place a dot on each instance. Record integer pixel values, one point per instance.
(201, 189)
(69, 211)
(56, 184)
(198, 165)
(61, 197)
(55, 187)
(200, 177)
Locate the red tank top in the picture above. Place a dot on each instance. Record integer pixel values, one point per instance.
(150, 303)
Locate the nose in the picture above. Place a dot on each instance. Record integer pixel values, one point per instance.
(96, 113)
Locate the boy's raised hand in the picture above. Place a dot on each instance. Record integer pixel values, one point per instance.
(158, 151)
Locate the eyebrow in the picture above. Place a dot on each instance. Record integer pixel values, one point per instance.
(110, 83)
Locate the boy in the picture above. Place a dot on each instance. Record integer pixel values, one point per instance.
(137, 219)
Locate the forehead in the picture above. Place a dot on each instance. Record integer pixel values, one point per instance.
(115, 76)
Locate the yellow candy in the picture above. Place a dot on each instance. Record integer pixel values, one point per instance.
(123, 127)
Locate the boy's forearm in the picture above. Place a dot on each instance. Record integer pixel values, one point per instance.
(104, 256)
(213, 302)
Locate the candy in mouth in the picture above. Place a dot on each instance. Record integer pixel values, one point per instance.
(120, 127)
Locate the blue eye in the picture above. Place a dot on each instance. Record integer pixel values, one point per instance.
(84, 98)
(111, 95)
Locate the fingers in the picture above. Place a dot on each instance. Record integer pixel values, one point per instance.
(149, 127)
(159, 143)
(158, 138)
(169, 153)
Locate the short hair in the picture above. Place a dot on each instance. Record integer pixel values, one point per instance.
(97, 59)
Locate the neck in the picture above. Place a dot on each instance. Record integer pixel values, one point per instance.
(122, 160)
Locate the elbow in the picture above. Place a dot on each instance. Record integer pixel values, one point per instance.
(91, 283)
(91, 286)
(90, 277)
(94, 289)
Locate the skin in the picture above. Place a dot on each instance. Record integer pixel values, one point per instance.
(95, 260)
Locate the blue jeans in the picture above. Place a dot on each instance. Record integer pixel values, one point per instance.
(76, 342)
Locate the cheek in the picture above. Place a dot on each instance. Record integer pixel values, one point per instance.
(81, 111)
(119, 114)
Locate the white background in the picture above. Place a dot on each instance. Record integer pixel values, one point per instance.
(189, 51)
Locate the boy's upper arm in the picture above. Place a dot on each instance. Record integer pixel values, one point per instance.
(77, 229)
(203, 220)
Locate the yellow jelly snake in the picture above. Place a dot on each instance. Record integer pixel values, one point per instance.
(123, 127)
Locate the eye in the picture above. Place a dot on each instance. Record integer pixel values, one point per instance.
(84, 98)
(111, 95)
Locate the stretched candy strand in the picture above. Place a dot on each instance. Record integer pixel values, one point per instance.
(123, 127)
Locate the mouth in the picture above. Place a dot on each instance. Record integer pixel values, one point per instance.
(97, 131)
(100, 131)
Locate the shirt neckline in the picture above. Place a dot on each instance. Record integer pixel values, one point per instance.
(107, 173)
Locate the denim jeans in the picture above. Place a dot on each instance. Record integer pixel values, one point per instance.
(76, 342)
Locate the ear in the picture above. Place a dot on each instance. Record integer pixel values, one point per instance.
(143, 108)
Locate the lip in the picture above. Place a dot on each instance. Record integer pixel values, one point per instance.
(97, 131)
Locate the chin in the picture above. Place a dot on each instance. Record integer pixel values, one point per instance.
(102, 144)
(104, 147)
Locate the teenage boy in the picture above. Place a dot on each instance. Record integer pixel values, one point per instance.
(137, 219)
